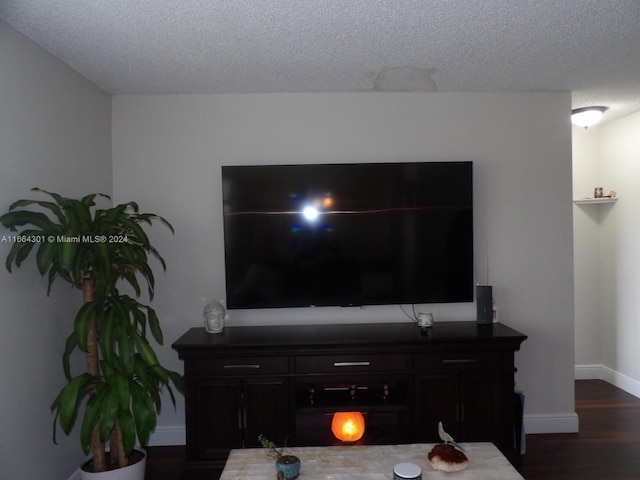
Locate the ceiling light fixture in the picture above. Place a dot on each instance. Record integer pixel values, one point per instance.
(587, 116)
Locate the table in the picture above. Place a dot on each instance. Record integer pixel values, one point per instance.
(371, 462)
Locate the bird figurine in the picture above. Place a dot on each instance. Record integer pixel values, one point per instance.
(446, 438)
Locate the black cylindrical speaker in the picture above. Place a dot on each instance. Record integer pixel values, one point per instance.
(484, 304)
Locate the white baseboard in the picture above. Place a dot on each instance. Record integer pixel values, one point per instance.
(569, 423)
(551, 423)
(602, 372)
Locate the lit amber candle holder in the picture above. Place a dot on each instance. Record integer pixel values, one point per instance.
(348, 426)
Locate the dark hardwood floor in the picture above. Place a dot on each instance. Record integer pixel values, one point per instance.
(607, 447)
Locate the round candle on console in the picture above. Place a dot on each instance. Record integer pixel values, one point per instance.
(348, 426)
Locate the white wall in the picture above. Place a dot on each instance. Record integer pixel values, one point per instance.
(55, 133)
(586, 223)
(619, 157)
(167, 153)
(614, 242)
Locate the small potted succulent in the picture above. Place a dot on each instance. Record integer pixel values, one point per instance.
(286, 463)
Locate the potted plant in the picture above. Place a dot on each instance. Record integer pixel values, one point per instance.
(98, 251)
(286, 463)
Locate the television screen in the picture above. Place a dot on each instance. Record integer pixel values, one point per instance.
(348, 234)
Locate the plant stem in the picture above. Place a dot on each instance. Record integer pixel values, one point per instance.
(117, 449)
(93, 368)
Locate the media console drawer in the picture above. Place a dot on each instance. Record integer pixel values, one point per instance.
(241, 366)
(461, 360)
(351, 363)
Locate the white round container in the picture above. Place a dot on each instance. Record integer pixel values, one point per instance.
(407, 471)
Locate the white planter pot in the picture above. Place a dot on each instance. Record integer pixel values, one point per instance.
(131, 472)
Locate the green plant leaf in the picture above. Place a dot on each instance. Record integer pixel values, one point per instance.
(53, 207)
(126, 349)
(137, 233)
(59, 199)
(45, 256)
(108, 336)
(53, 274)
(160, 372)
(121, 386)
(154, 325)
(23, 252)
(178, 381)
(70, 346)
(91, 417)
(68, 401)
(19, 218)
(127, 429)
(104, 259)
(11, 256)
(88, 200)
(145, 350)
(144, 413)
(82, 324)
(66, 254)
(108, 410)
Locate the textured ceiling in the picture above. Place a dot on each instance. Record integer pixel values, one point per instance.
(588, 47)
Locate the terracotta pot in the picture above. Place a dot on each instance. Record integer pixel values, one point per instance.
(134, 471)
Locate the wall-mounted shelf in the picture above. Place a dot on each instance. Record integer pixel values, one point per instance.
(593, 201)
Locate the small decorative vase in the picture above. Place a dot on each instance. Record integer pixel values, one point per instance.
(214, 317)
(289, 465)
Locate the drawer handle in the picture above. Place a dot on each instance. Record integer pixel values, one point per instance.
(343, 389)
(255, 366)
(460, 360)
(351, 364)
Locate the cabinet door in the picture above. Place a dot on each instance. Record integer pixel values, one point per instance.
(266, 410)
(218, 417)
(484, 414)
(437, 400)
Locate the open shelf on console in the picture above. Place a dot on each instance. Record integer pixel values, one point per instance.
(339, 396)
(383, 403)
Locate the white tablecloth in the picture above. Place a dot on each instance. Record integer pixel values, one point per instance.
(371, 462)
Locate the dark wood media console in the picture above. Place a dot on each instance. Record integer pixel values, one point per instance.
(286, 382)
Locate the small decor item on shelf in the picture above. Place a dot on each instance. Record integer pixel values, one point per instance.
(597, 193)
(494, 311)
(425, 320)
(447, 456)
(287, 465)
(214, 314)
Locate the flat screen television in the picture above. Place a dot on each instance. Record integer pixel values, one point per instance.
(348, 234)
